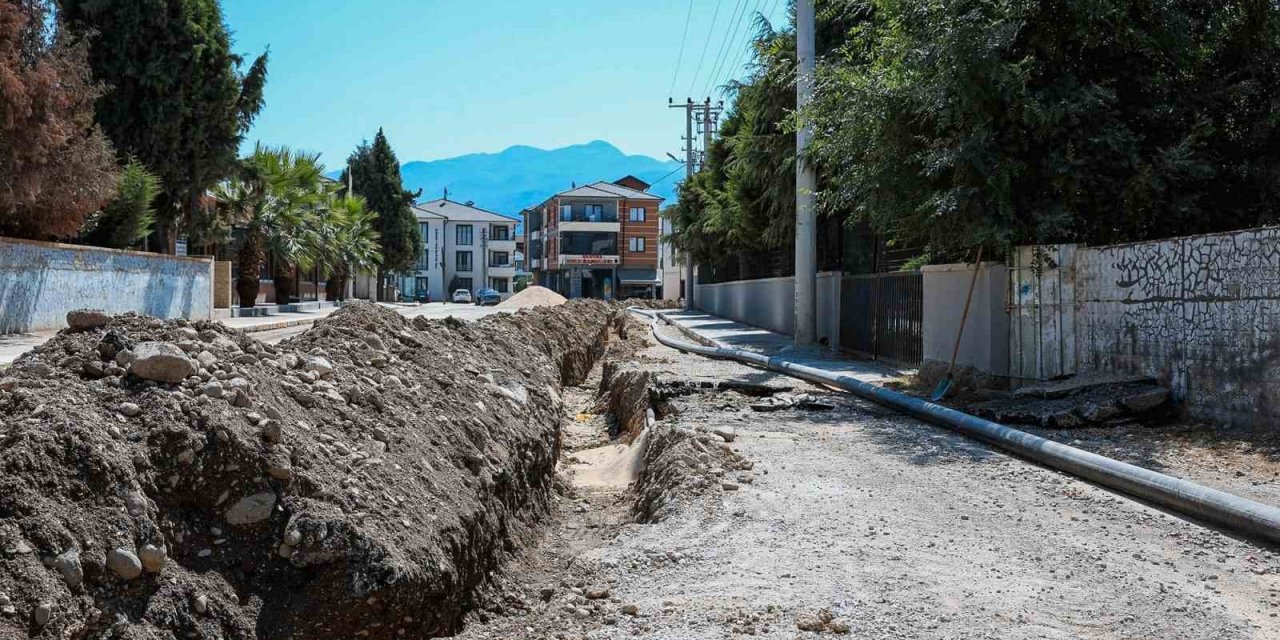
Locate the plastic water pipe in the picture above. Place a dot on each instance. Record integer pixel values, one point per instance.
(1248, 517)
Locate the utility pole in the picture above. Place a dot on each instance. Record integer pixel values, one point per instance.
(688, 107)
(806, 183)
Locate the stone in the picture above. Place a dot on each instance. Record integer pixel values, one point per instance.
(1100, 412)
(279, 468)
(42, 614)
(292, 537)
(153, 557)
(213, 389)
(375, 342)
(272, 432)
(1146, 401)
(201, 604)
(94, 369)
(68, 563)
(240, 398)
(839, 625)
(161, 362)
(547, 593)
(729, 434)
(124, 563)
(631, 609)
(809, 622)
(252, 509)
(129, 409)
(318, 365)
(206, 359)
(86, 319)
(729, 486)
(597, 593)
(1063, 420)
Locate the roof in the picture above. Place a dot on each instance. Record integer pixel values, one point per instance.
(588, 192)
(451, 210)
(626, 192)
(423, 212)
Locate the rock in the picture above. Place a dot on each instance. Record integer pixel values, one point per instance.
(486, 377)
(292, 537)
(42, 614)
(597, 593)
(809, 622)
(153, 557)
(124, 563)
(1100, 412)
(240, 398)
(375, 342)
(729, 434)
(161, 362)
(39, 369)
(206, 359)
(280, 468)
(213, 389)
(729, 486)
(86, 319)
(839, 625)
(94, 369)
(252, 509)
(1146, 401)
(631, 609)
(129, 409)
(201, 605)
(272, 432)
(68, 563)
(318, 365)
(1063, 420)
(546, 593)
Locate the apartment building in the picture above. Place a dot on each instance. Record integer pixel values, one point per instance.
(464, 247)
(596, 241)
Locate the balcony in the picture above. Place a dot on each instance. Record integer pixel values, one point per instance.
(508, 245)
(502, 270)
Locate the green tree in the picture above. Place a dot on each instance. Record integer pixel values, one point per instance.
(56, 167)
(176, 98)
(275, 199)
(128, 218)
(375, 176)
(347, 242)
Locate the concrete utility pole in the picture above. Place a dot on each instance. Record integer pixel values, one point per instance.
(806, 183)
(688, 107)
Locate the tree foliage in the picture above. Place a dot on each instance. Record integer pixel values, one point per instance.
(375, 176)
(128, 217)
(955, 123)
(176, 98)
(56, 167)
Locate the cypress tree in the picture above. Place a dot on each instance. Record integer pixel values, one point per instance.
(375, 176)
(176, 99)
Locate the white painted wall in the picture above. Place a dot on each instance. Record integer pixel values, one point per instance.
(985, 343)
(770, 303)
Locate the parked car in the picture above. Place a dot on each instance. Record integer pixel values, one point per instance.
(488, 297)
(422, 295)
(462, 295)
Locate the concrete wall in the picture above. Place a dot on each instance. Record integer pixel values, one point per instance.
(40, 282)
(770, 303)
(984, 345)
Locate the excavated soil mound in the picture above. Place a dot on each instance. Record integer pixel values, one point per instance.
(533, 297)
(360, 480)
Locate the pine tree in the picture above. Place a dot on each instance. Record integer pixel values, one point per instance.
(176, 99)
(375, 176)
(56, 167)
(129, 217)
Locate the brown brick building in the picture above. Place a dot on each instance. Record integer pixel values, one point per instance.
(596, 241)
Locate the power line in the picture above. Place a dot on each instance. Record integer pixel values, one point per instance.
(735, 21)
(669, 174)
(749, 43)
(680, 58)
(705, 45)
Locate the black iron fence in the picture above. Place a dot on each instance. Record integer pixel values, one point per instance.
(880, 315)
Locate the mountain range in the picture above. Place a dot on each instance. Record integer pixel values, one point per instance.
(521, 176)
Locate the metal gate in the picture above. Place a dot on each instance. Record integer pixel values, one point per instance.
(881, 316)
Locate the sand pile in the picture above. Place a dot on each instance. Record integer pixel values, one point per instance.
(533, 297)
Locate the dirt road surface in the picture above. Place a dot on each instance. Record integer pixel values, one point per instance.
(859, 520)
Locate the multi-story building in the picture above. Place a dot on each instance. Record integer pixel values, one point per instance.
(596, 241)
(464, 247)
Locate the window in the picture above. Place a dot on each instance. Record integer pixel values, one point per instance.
(462, 261)
(422, 284)
(499, 232)
(464, 235)
(499, 259)
(566, 212)
(594, 212)
(636, 244)
(637, 214)
(462, 283)
(498, 284)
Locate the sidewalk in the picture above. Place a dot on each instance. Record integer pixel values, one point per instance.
(736, 335)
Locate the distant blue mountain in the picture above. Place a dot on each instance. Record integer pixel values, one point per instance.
(520, 177)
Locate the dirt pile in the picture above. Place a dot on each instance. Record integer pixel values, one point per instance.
(360, 480)
(533, 297)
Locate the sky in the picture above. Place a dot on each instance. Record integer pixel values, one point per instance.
(450, 77)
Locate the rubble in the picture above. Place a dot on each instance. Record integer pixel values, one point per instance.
(334, 485)
(1071, 404)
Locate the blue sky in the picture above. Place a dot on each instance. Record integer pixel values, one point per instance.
(445, 78)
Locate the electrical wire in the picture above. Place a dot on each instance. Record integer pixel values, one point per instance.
(705, 46)
(749, 44)
(680, 58)
(730, 34)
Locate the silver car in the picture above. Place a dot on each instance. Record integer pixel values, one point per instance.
(462, 295)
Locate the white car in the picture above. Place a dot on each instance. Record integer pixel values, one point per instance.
(462, 295)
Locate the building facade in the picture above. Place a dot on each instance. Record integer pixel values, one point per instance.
(596, 241)
(464, 247)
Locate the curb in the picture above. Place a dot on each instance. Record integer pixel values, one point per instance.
(272, 326)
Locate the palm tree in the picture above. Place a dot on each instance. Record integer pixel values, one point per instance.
(276, 198)
(347, 242)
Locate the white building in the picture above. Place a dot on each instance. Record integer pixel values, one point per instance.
(464, 247)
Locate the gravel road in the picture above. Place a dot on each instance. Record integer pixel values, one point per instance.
(898, 529)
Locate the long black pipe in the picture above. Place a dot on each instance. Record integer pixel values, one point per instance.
(1251, 518)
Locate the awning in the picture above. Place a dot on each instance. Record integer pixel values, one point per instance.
(634, 275)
